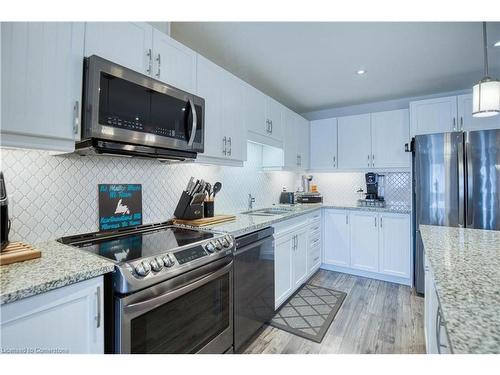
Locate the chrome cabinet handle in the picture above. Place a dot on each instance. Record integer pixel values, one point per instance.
(224, 145)
(195, 122)
(271, 126)
(454, 124)
(375, 220)
(347, 219)
(230, 142)
(334, 161)
(373, 160)
(98, 305)
(150, 65)
(368, 160)
(76, 117)
(461, 123)
(381, 222)
(159, 66)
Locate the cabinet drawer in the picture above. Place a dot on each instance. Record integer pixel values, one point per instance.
(313, 242)
(315, 226)
(315, 255)
(314, 234)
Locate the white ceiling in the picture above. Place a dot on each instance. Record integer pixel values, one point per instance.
(309, 66)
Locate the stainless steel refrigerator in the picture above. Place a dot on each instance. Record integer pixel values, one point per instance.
(456, 179)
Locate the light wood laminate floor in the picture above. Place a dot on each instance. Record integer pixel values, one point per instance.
(376, 317)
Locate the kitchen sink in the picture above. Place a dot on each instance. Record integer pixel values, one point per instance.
(268, 211)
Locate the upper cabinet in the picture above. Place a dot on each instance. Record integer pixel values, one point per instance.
(323, 144)
(467, 122)
(174, 63)
(303, 136)
(354, 142)
(125, 43)
(42, 69)
(140, 47)
(447, 114)
(225, 128)
(390, 131)
(274, 112)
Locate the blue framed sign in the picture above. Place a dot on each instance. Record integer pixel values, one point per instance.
(120, 206)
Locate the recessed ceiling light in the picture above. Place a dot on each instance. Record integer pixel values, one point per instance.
(497, 43)
(360, 72)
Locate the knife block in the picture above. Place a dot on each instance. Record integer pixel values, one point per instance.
(187, 211)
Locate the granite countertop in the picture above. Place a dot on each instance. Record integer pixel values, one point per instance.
(59, 265)
(245, 223)
(466, 267)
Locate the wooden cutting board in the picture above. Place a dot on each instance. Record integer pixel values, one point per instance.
(18, 252)
(206, 220)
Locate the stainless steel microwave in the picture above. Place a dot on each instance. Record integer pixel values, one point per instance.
(131, 114)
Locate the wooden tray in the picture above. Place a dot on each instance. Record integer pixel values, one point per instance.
(18, 252)
(206, 220)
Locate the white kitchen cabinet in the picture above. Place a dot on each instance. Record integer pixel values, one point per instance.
(314, 248)
(283, 250)
(364, 238)
(465, 120)
(68, 319)
(390, 131)
(290, 140)
(394, 246)
(438, 115)
(354, 142)
(125, 43)
(174, 63)
(303, 134)
(300, 253)
(42, 69)
(274, 111)
(336, 238)
(255, 110)
(225, 128)
(323, 144)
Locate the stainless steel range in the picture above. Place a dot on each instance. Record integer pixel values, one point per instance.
(172, 288)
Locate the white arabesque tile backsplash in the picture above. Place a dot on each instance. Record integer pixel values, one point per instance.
(52, 196)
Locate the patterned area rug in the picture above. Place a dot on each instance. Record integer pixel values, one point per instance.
(309, 312)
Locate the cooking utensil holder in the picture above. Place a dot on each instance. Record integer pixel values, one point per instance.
(208, 208)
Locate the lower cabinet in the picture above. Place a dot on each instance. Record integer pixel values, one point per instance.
(64, 320)
(368, 244)
(297, 250)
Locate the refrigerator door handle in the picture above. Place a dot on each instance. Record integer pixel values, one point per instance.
(468, 185)
(461, 183)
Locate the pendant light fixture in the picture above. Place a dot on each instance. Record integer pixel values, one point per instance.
(486, 93)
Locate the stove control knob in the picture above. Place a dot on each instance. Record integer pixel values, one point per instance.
(157, 264)
(172, 259)
(210, 247)
(167, 261)
(218, 245)
(143, 268)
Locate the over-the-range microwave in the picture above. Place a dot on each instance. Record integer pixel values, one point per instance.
(130, 114)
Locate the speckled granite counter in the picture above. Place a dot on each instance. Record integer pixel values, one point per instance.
(245, 223)
(466, 268)
(59, 265)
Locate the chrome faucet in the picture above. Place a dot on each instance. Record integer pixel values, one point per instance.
(251, 201)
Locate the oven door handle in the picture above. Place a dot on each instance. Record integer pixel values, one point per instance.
(161, 299)
(195, 122)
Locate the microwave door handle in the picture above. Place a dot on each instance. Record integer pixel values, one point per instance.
(195, 122)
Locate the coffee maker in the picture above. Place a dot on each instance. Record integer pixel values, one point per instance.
(375, 186)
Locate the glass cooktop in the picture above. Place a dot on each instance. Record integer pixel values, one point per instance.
(139, 245)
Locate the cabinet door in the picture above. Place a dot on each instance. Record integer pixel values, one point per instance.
(390, 131)
(174, 63)
(433, 115)
(274, 114)
(300, 271)
(283, 249)
(290, 139)
(210, 83)
(465, 120)
(323, 155)
(233, 123)
(336, 238)
(68, 318)
(126, 43)
(354, 142)
(395, 245)
(430, 313)
(303, 135)
(255, 113)
(364, 241)
(42, 68)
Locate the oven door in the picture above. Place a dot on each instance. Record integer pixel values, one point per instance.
(191, 313)
(122, 105)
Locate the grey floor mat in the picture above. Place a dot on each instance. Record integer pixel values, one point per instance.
(309, 312)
